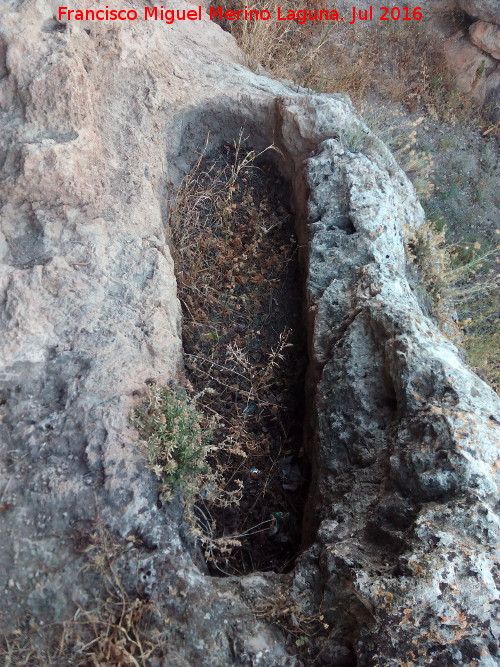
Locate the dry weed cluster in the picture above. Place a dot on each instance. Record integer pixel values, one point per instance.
(279, 46)
(397, 59)
(292, 619)
(427, 250)
(121, 629)
(460, 278)
(236, 266)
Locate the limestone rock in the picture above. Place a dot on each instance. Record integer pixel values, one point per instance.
(470, 66)
(405, 439)
(487, 37)
(89, 315)
(485, 10)
(98, 124)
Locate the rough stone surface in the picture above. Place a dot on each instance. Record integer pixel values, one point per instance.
(487, 37)
(486, 10)
(405, 441)
(89, 114)
(472, 68)
(97, 124)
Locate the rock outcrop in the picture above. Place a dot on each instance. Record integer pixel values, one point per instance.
(485, 10)
(403, 499)
(486, 36)
(473, 70)
(473, 54)
(99, 121)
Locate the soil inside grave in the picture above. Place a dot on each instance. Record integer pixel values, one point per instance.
(241, 292)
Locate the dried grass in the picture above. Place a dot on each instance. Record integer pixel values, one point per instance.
(121, 630)
(232, 264)
(449, 275)
(397, 60)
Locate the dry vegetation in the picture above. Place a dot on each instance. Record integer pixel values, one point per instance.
(291, 618)
(121, 629)
(233, 448)
(397, 59)
(456, 253)
(236, 265)
(460, 279)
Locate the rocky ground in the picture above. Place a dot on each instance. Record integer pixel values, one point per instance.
(99, 125)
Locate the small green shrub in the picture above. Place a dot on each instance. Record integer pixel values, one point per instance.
(176, 439)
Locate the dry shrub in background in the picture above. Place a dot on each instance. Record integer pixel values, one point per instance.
(460, 279)
(398, 60)
(284, 48)
(400, 134)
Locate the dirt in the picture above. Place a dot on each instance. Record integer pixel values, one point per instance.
(245, 355)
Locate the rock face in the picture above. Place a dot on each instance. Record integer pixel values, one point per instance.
(487, 37)
(98, 123)
(91, 116)
(472, 55)
(486, 10)
(472, 68)
(404, 500)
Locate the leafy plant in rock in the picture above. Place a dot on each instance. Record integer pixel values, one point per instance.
(176, 437)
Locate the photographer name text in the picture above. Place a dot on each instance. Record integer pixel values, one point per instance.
(301, 16)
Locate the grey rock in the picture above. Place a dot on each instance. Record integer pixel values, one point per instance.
(405, 438)
(473, 70)
(486, 10)
(487, 37)
(401, 519)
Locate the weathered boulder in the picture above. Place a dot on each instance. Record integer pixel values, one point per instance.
(487, 37)
(92, 117)
(485, 10)
(471, 55)
(470, 67)
(98, 123)
(404, 440)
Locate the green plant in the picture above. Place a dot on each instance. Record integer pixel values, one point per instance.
(177, 439)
